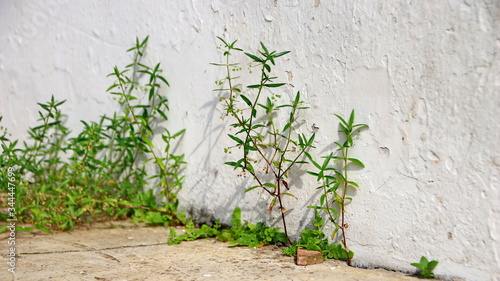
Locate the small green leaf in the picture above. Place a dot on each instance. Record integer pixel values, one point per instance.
(264, 48)
(251, 188)
(313, 173)
(417, 265)
(270, 185)
(297, 99)
(274, 85)
(343, 122)
(111, 87)
(432, 265)
(247, 101)
(361, 126)
(357, 162)
(257, 126)
(281, 54)
(353, 183)
(236, 139)
(148, 142)
(289, 194)
(178, 133)
(351, 118)
(42, 228)
(234, 164)
(236, 216)
(223, 41)
(287, 126)
(163, 114)
(250, 168)
(254, 57)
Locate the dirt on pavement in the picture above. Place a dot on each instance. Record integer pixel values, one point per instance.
(130, 251)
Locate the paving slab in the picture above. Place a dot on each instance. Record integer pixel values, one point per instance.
(129, 251)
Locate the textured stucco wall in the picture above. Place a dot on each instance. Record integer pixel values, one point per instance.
(423, 74)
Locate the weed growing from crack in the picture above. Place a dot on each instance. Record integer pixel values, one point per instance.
(269, 150)
(425, 267)
(140, 119)
(100, 173)
(316, 240)
(335, 180)
(240, 233)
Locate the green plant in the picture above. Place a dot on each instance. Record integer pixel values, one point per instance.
(191, 233)
(316, 240)
(99, 174)
(335, 181)
(249, 234)
(426, 267)
(240, 233)
(139, 120)
(269, 149)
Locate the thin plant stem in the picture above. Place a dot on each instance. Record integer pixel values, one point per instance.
(345, 152)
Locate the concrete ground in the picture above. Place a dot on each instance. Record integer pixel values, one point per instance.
(127, 251)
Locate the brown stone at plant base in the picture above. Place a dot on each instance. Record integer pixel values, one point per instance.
(308, 257)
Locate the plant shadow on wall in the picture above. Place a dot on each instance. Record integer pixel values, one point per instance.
(100, 174)
(269, 148)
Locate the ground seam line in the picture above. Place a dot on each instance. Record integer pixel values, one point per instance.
(93, 250)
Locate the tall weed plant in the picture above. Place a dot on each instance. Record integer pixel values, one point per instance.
(267, 148)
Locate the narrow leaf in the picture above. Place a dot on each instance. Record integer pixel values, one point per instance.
(247, 101)
(281, 54)
(289, 194)
(251, 188)
(254, 57)
(148, 142)
(236, 139)
(344, 123)
(351, 118)
(264, 48)
(274, 85)
(357, 162)
(270, 185)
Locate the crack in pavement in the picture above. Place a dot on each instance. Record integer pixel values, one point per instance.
(90, 249)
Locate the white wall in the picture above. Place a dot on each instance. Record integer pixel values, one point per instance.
(423, 74)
